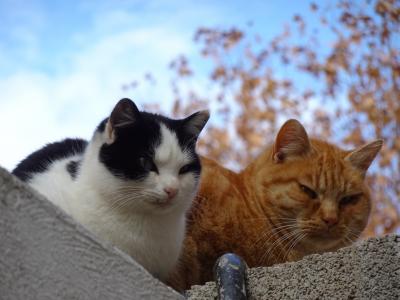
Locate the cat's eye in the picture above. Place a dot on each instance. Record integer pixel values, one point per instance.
(148, 164)
(186, 168)
(310, 192)
(351, 199)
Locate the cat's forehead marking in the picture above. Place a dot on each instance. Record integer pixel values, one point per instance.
(329, 175)
(168, 151)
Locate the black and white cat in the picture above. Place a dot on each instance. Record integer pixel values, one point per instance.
(131, 184)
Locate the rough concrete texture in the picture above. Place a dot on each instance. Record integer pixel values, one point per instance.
(200, 292)
(367, 270)
(44, 254)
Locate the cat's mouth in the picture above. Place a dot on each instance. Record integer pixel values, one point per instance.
(324, 236)
(324, 233)
(163, 202)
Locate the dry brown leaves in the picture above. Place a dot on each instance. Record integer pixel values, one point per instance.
(354, 96)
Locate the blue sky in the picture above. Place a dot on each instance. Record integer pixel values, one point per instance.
(63, 63)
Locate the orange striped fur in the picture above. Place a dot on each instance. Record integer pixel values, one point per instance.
(300, 196)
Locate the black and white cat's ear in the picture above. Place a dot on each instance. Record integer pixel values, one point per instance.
(362, 157)
(292, 140)
(195, 123)
(124, 114)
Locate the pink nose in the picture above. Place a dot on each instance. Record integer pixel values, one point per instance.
(171, 192)
(330, 220)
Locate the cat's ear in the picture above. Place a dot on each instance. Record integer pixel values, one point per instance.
(292, 140)
(362, 157)
(195, 123)
(124, 114)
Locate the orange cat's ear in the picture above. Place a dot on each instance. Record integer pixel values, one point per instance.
(291, 140)
(362, 157)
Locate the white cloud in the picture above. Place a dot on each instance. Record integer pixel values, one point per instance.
(37, 107)
(23, 106)
(62, 86)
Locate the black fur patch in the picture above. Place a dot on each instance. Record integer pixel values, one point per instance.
(102, 125)
(39, 161)
(73, 167)
(122, 158)
(187, 142)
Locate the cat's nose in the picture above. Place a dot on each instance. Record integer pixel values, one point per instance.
(330, 220)
(171, 192)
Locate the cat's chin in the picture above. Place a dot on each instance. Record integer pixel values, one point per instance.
(325, 242)
(162, 206)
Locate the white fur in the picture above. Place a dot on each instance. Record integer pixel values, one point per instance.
(141, 221)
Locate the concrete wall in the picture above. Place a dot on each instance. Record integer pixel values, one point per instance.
(367, 270)
(44, 254)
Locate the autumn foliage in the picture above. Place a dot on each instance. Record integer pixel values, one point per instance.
(339, 74)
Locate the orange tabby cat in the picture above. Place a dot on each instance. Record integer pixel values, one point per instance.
(300, 196)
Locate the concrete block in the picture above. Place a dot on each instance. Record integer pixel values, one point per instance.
(44, 254)
(367, 270)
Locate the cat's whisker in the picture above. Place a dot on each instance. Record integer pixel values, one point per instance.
(282, 228)
(267, 221)
(284, 221)
(284, 242)
(279, 241)
(120, 204)
(348, 240)
(275, 232)
(349, 230)
(300, 234)
(356, 235)
(123, 196)
(135, 192)
(294, 243)
(122, 200)
(264, 234)
(283, 218)
(287, 246)
(265, 238)
(350, 235)
(255, 219)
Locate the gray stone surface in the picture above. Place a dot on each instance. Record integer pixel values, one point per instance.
(203, 292)
(367, 270)
(44, 254)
